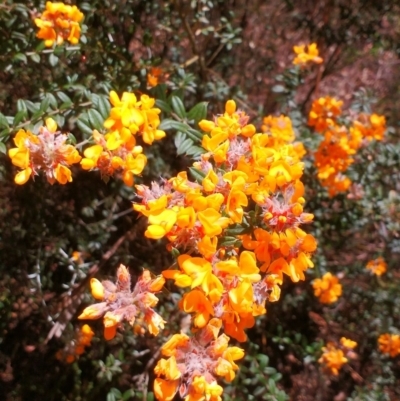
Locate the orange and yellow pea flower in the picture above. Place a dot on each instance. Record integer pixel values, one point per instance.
(327, 289)
(76, 347)
(389, 344)
(132, 116)
(332, 359)
(304, 56)
(120, 302)
(377, 266)
(335, 356)
(59, 22)
(47, 152)
(200, 360)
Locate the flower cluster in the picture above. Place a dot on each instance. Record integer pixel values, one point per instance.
(120, 302)
(77, 346)
(389, 344)
(194, 363)
(304, 56)
(241, 170)
(58, 23)
(328, 289)
(155, 76)
(236, 229)
(336, 151)
(117, 152)
(377, 266)
(46, 151)
(334, 356)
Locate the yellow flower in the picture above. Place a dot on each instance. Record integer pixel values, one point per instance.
(97, 289)
(58, 23)
(131, 116)
(114, 156)
(348, 343)
(161, 224)
(328, 289)
(212, 221)
(94, 311)
(377, 266)
(200, 272)
(303, 56)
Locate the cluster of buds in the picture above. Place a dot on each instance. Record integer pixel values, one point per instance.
(236, 229)
(327, 289)
(377, 266)
(76, 346)
(59, 22)
(194, 363)
(341, 142)
(389, 344)
(335, 356)
(46, 151)
(305, 56)
(117, 152)
(120, 302)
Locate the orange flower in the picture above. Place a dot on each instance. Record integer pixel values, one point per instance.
(332, 358)
(389, 344)
(58, 23)
(324, 112)
(377, 266)
(328, 289)
(196, 301)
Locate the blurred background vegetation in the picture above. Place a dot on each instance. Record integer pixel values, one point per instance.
(208, 51)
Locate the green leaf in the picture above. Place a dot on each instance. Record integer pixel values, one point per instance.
(96, 120)
(64, 98)
(178, 107)
(35, 57)
(19, 117)
(197, 174)
(59, 119)
(164, 106)
(198, 112)
(32, 107)
(21, 106)
(182, 146)
(52, 100)
(83, 124)
(4, 135)
(3, 121)
(103, 106)
(44, 105)
(3, 148)
(160, 92)
(21, 57)
(169, 123)
(194, 134)
(237, 230)
(229, 241)
(53, 60)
